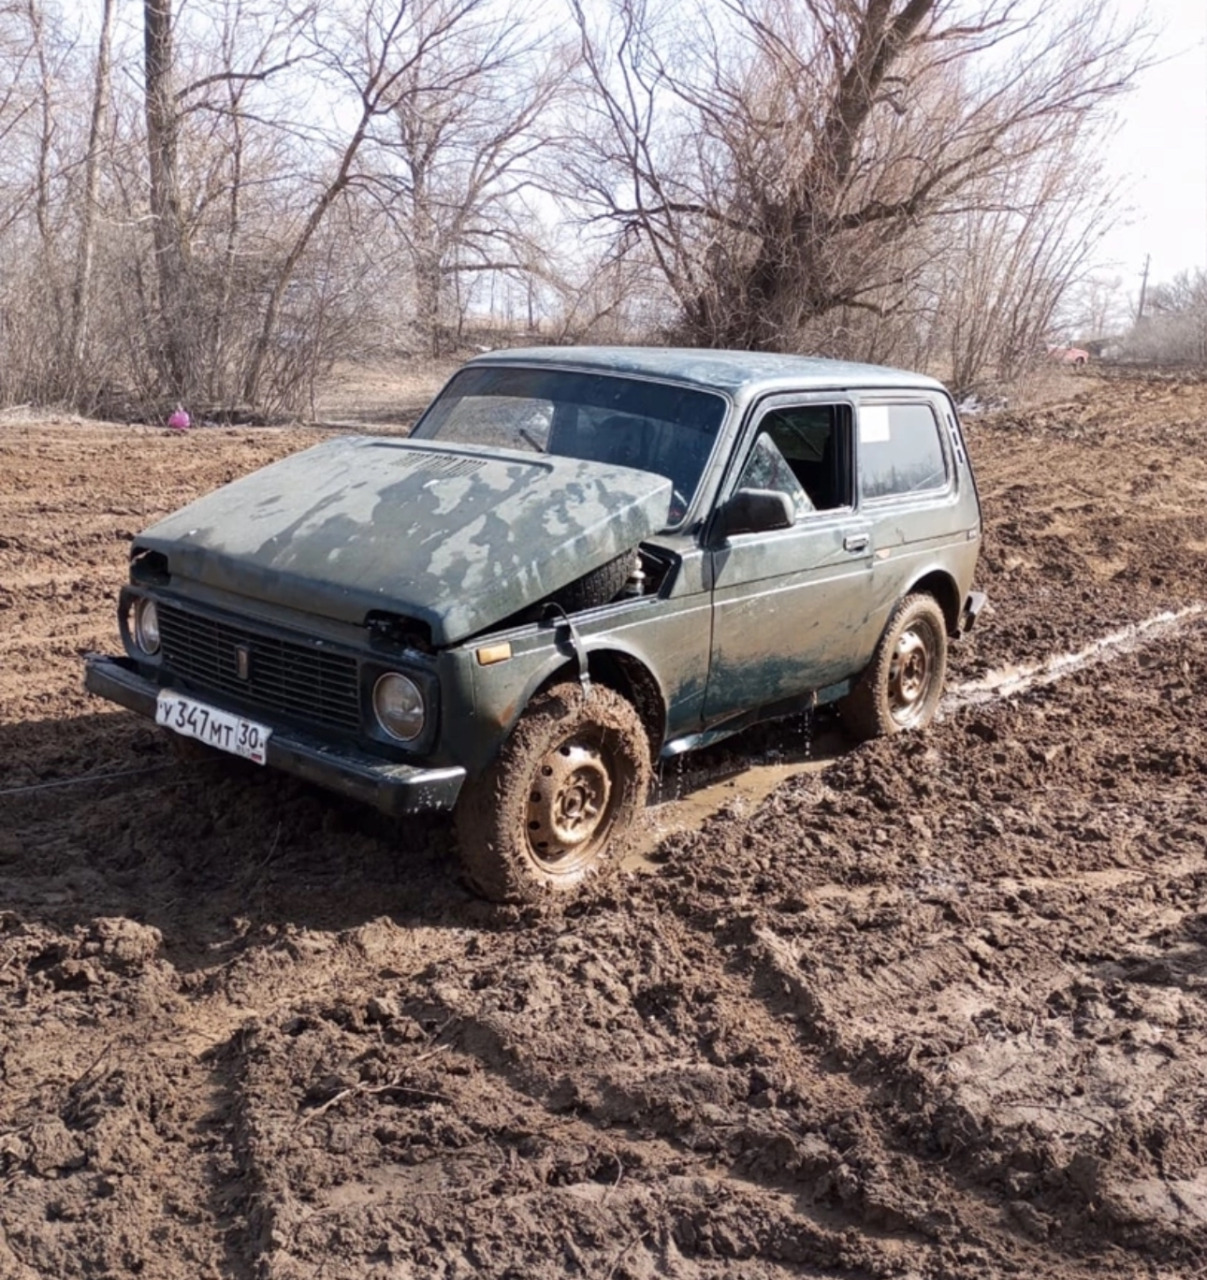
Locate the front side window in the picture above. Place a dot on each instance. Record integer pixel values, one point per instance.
(627, 422)
(767, 468)
(900, 450)
(802, 451)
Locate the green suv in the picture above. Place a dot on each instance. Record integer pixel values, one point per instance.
(581, 560)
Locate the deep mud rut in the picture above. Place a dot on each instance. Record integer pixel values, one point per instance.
(936, 1008)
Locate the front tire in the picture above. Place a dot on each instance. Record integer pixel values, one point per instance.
(901, 687)
(554, 808)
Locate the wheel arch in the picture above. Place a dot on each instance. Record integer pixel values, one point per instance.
(942, 586)
(628, 675)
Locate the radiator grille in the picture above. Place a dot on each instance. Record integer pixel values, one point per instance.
(298, 680)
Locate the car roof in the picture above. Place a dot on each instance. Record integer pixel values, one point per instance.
(739, 373)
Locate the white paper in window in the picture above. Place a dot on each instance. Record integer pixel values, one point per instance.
(873, 424)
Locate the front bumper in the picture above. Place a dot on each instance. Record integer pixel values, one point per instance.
(393, 788)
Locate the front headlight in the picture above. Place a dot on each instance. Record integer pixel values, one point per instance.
(146, 626)
(398, 706)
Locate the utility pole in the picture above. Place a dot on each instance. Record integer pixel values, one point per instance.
(1143, 288)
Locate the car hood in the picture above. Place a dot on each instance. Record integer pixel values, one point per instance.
(460, 538)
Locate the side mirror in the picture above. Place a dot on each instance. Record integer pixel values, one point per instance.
(755, 511)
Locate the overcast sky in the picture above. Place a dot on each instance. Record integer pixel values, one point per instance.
(1159, 152)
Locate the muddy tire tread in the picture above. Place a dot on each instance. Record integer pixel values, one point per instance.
(490, 814)
(865, 711)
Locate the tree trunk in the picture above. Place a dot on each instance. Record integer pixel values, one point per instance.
(46, 132)
(173, 352)
(81, 293)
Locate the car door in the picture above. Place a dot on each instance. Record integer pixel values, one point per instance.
(790, 606)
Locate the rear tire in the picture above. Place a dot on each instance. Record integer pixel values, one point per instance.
(556, 806)
(901, 687)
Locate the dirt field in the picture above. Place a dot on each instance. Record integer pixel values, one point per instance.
(935, 1009)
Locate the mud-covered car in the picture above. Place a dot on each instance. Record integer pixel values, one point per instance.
(581, 560)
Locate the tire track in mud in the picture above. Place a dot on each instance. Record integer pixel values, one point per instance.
(745, 913)
(739, 788)
(978, 1054)
(741, 1189)
(919, 968)
(113, 1158)
(632, 1135)
(1011, 681)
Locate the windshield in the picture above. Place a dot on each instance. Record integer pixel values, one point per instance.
(651, 426)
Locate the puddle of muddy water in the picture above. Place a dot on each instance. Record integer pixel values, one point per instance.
(740, 793)
(737, 775)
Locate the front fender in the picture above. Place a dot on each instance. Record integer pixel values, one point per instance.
(655, 650)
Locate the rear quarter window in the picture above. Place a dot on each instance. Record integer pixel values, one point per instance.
(900, 450)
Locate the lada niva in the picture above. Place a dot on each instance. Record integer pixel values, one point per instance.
(581, 560)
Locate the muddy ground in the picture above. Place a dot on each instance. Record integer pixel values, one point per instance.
(934, 1008)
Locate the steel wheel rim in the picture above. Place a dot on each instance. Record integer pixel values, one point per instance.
(911, 674)
(570, 806)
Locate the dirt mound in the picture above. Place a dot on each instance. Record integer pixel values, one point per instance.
(936, 1009)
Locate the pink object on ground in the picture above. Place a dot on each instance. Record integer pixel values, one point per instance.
(179, 421)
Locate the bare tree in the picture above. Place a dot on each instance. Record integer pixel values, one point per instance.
(452, 177)
(1011, 259)
(1095, 308)
(409, 123)
(377, 59)
(196, 149)
(1175, 326)
(236, 110)
(35, 60)
(779, 158)
(174, 302)
(246, 191)
(16, 52)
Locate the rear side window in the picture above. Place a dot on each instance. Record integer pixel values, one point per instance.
(900, 450)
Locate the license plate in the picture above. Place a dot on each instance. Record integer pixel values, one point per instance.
(193, 719)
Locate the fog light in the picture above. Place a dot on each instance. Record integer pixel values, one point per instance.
(398, 705)
(146, 626)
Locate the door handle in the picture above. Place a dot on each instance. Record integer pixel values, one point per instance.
(855, 542)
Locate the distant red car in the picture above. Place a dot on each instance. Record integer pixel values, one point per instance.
(1069, 355)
